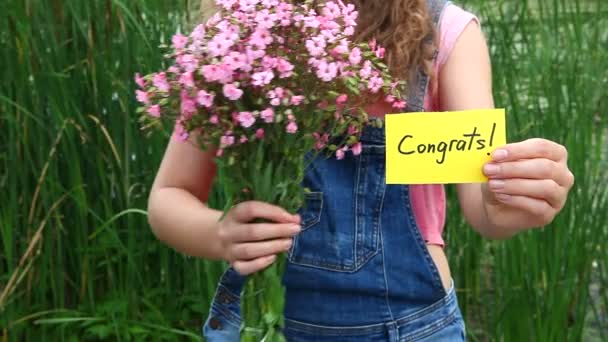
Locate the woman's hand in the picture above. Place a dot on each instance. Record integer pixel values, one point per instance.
(250, 247)
(528, 184)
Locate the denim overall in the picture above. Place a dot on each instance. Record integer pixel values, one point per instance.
(359, 270)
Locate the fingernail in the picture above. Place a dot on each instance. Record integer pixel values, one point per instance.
(499, 155)
(496, 184)
(503, 197)
(491, 169)
(296, 228)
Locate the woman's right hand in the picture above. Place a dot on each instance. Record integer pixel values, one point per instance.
(250, 247)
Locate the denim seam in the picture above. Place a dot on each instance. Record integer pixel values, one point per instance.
(386, 289)
(335, 331)
(314, 196)
(357, 190)
(318, 195)
(218, 310)
(431, 328)
(380, 200)
(447, 300)
(430, 264)
(376, 327)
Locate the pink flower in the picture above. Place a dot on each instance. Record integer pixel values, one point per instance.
(198, 33)
(253, 53)
(160, 81)
(349, 31)
(292, 127)
(235, 60)
(246, 119)
(226, 140)
(261, 38)
(316, 46)
(188, 105)
(187, 79)
(375, 83)
(154, 111)
(187, 62)
(259, 133)
(284, 68)
(265, 19)
(314, 62)
(297, 100)
(220, 44)
(179, 41)
(142, 96)
(140, 80)
(327, 71)
(389, 99)
(275, 102)
(219, 153)
(243, 139)
(204, 98)
(356, 148)
(267, 115)
(372, 44)
(320, 140)
(262, 78)
(355, 56)
(366, 71)
(342, 99)
(180, 132)
(399, 104)
(280, 92)
(340, 154)
(269, 62)
(248, 5)
(342, 48)
(213, 73)
(352, 130)
(380, 52)
(309, 21)
(232, 92)
(214, 119)
(227, 4)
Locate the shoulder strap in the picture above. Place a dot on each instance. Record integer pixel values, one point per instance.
(420, 84)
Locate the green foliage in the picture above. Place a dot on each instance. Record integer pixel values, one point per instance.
(79, 262)
(550, 67)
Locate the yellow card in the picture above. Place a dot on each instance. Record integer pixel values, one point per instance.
(440, 148)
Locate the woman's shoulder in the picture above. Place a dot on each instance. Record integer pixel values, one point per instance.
(453, 21)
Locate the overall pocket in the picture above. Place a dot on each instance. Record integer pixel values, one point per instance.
(340, 221)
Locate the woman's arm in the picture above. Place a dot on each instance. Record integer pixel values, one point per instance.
(176, 209)
(179, 217)
(530, 180)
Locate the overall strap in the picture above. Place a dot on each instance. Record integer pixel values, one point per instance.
(418, 88)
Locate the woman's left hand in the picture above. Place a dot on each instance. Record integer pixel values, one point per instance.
(528, 184)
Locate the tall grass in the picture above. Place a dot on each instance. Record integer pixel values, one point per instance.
(77, 258)
(550, 71)
(78, 261)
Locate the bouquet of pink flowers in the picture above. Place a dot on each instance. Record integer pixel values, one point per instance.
(264, 83)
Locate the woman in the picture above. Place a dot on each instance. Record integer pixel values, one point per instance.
(366, 259)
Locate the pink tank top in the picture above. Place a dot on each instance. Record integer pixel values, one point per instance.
(428, 201)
